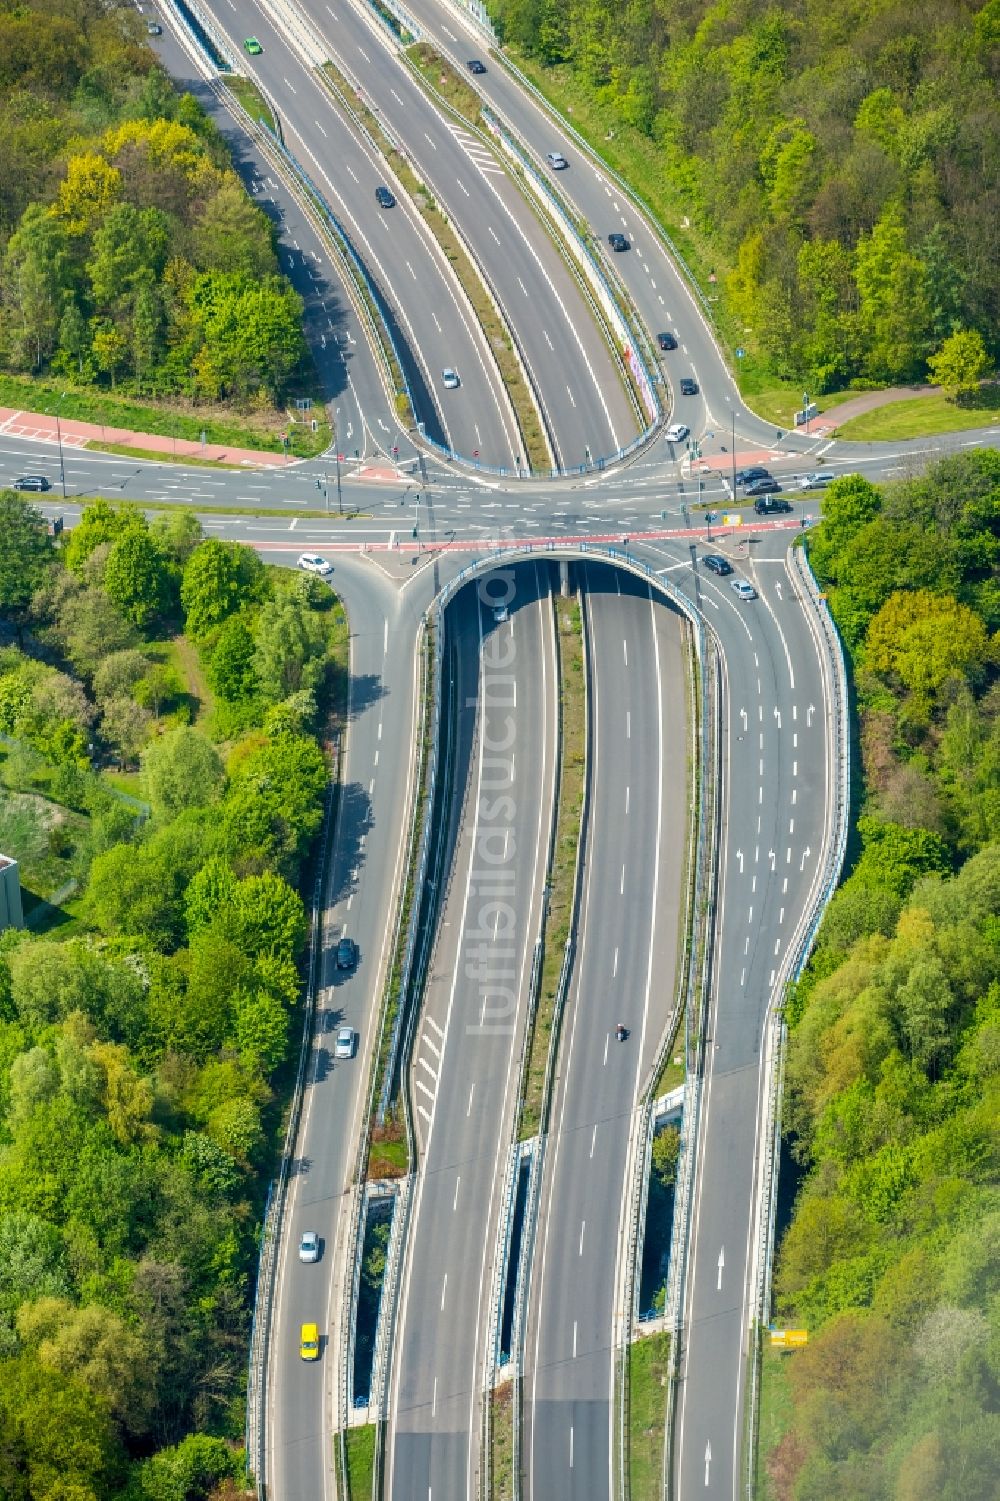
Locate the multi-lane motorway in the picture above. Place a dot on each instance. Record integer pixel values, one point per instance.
(625, 975)
(412, 530)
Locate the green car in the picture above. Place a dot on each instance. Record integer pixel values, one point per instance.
(253, 46)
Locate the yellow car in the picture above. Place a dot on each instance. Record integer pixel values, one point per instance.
(309, 1342)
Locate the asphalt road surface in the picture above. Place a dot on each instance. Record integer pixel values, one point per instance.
(625, 972)
(471, 1028)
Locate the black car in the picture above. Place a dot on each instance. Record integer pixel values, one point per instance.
(766, 486)
(718, 565)
(769, 507)
(666, 341)
(475, 66)
(747, 476)
(689, 386)
(33, 482)
(384, 198)
(347, 953)
(618, 242)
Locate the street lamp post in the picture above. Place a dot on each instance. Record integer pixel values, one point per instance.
(62, 466)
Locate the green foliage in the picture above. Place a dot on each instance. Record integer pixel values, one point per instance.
(961, 364)
(837, 166)
(218, 578)
(118, 209)
(137, 1046)
(26, 554)
(181, 770)
(892, 1074)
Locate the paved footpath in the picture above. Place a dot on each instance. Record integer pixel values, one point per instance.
(42, 428)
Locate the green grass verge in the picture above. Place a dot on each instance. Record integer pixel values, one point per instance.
(440, 74)
(170, 421)
(562, 877)
(648, 1371)
(921, 417)
(152, 454)
(775, 1416)
(252, 100)
(289, 512)
(673, 1073)
(360, 1445)
(502, 1450)
(521, 397)
(778, 402)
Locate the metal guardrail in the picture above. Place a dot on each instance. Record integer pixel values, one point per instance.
(272, 1223)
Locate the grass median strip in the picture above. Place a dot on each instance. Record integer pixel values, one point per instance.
(562, 876)
(502, 1436)
(359, 1444)
(920, 417)
(441, 76)
(648, 1376)
(487, 315)
(155, 456)
(252, 100)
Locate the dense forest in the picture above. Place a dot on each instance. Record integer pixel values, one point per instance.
(160, 701)
(130, 255)
(842, 158)
(893, 1075)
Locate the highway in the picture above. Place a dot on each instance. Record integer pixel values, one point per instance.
(660, 292)
(625, 972)
(434, 324)
(778, 782)
(363, 878)
(471, 1027)
(581, 395)
(778, 789)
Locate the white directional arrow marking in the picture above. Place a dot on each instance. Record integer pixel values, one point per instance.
(743, 716)
(708, 1460)
(739, 856)
(777, 715)
(805, 856)
(771, 857)
(722, 1262)
(778, 588)
(809, 715)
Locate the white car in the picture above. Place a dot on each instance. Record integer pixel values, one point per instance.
(816, 481)
(450, 378)
(677, 432)
(313, 563)
(345, 1043)
(743, 590)
(309, 1246)
(499, 614)
(556, 160)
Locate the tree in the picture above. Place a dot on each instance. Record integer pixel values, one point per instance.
(182, 769)
(961, 364)
(88, 191)
(128, 252)
(126, 725)
(233, 671)
(919, 640)
(218, 578)
(290, 649)
(264, 915)
(177, 534)
(26, 555)
(231, 234)
(91, 1345)
(137, 578)
(99, 522)
(39, 273)
(56, 1437)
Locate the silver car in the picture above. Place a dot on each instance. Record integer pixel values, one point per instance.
(309, 1246)
(346, 1038)
(450, 378)
(743, 590)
